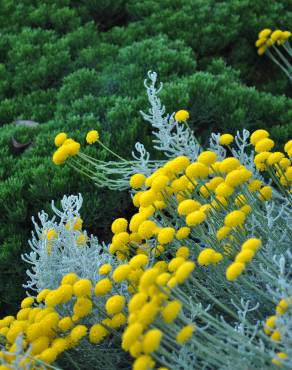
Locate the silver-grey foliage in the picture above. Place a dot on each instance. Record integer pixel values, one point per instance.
(72, 250)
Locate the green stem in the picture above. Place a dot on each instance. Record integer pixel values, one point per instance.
(110, 151)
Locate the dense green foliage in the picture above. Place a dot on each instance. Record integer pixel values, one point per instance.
(78, 65)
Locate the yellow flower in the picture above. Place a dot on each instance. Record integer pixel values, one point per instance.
(39, 345)
(147, 198)
(49, 355)
(252, 244)
(279, 359)
(92, 137)
(244, 256)
(148, 313)
(171, 311)
(183, 272)
(60, 155)
(285, 163)
(275, 158)
(119, 225)
(166, 235)
(77, 224)
(208, 256)
(187, 206)
(59, 345)
(118, 320)
(114, 304)
(131, 334)
(234, 270)
(105, 269)
(82, 288)
(82, 307)
(138, 261)
(207, 158)
(78, 332)
(266, 193)
(97, 333)
(151, 341)
(258, 135)
(276, 35)
(27, 302)
(137, 181)
(229, 164)
(261, 42)
(264, 33)
(237, 177)
(254, 185)
(163, 279)
(102, 287)
(42, 295)
(195, 218)
(66, 323)
(72, 148)
(223, 232)
(197, 170)
(288, 146)
(51, 234)
(182, 233)
(60, 138)
(121, 273)
(264, 145)
(136, 349)
(184, 334)
(286, 35)
(183, 252)
(160, 183)
(283, 305)
(143, 362)
(54, 298)
(178, 164)
(262, 50)
(234, 218)
(226, 139)
(70, 278)
(147, 229)
(276, 336)
(224, 189)
(182, 115)
(137, 302)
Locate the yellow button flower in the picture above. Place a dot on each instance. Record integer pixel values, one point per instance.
(182, 115)
(92, 137)
(226, 139)
(60, 138)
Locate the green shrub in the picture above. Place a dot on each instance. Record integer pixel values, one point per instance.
(106, 13)
(212, 28)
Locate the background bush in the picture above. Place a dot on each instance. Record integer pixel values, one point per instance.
(78, 65)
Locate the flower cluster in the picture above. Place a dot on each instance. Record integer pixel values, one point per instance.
(66, 148)
(267, 38)
(197, 195)
(187, 281)
(271, 328)
(269, 41)
(58, 319)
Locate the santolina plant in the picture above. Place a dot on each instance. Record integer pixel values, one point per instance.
(199, 277)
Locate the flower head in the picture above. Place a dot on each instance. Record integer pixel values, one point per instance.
(226, 139)
(60, 138)
(182, 115)
(92, 137)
